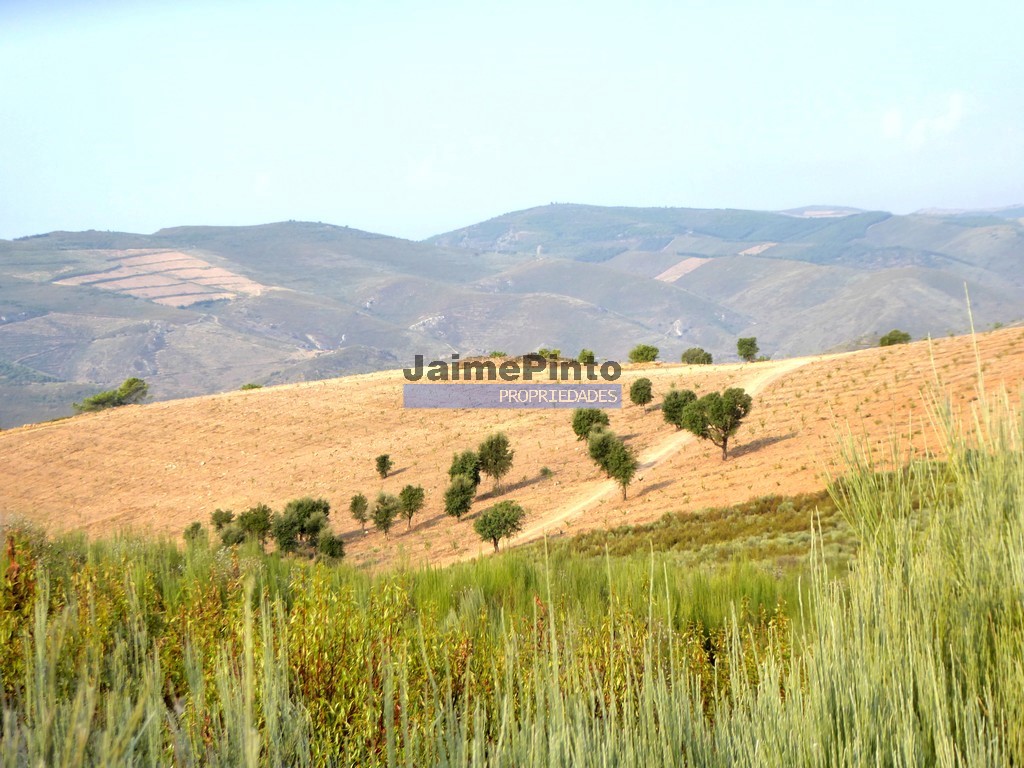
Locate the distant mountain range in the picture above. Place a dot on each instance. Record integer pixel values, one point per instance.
(195, 310)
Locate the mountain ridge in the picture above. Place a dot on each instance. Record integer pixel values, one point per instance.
(198, 309)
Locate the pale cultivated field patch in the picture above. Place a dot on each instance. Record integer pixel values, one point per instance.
(684, 267)
(145, 275)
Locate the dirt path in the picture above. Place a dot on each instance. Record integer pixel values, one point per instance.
(761, 375)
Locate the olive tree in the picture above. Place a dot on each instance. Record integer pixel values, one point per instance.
(502, 521)
(716, 417)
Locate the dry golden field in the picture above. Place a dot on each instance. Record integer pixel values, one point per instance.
(156, 468)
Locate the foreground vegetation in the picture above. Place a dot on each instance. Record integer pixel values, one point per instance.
(132, 652)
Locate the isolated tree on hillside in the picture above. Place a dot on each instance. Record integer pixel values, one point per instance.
(466, 464)
(585, 419)
(385, 511)
(586, 357)
(458, 497)
(131, 391)
(673, 405)
(696, 356)
(641, 392)
(359, 508)
(643, 353)
(502, 521)
(895, 336)
(410, 502)
(716, 417)
(384, 465)
(495, 457)
(747, 348)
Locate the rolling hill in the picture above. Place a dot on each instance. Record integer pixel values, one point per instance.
(158, 467)
(197, 310)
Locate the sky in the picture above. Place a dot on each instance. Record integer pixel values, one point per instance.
(416, 118)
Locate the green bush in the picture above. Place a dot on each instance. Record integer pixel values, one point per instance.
(696, 356)
(893, 337)
(641, 392)
(585, 419)
(502, 521)
(466, 464)
(130, 392)
(674, 404)
(643, 353)
(458, 497)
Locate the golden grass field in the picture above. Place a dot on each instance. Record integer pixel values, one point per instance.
(156, 468)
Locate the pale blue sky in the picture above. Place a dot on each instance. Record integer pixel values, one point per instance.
(416, 118)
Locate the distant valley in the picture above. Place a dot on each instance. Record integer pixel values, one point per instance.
(195, 310)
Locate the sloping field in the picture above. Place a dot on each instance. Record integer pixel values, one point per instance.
(156, 468)
(167, 277)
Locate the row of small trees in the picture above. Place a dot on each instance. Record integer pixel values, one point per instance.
(300, 528)
(746, 348)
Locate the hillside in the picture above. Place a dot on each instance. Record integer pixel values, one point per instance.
(198, 310)
(158, 467)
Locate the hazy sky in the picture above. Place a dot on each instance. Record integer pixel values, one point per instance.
(416, 118)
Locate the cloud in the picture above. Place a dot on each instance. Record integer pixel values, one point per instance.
(924, 130)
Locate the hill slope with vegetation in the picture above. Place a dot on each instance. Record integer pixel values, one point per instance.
(195, 310)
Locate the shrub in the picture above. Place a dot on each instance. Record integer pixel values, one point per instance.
(410, 501)
(674, 404)
(466, 464)
(643, 353)
(503, 520)
(195, 533)
(300, 523)
(549, 354)
(696, 356)
(359, 508)
(641, 393)
(384, 513)
(599, 447)
(495, 457)
(130, 392)
(220, 518)
(586, 357)
(585, 419)
(330, 546)
(255, 522)
(250, 385)
(384, 465)
(458, 497)
(893, 337)
(232, 534)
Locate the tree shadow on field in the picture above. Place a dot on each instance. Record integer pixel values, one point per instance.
(655, 487)
(394, 472)
(756, 445)
(526, 482)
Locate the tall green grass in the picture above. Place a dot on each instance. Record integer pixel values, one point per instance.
(127, 652)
